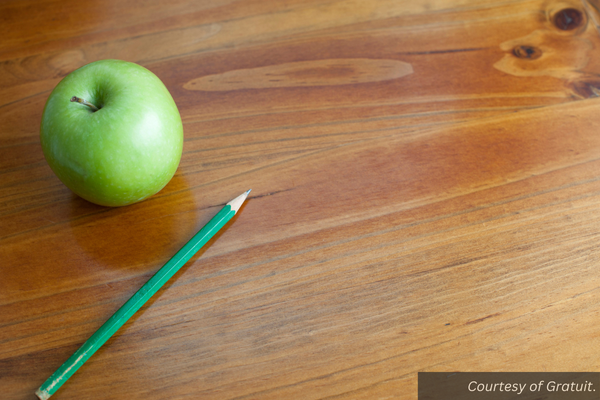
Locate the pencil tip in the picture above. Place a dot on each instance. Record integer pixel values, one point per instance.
(238, 201)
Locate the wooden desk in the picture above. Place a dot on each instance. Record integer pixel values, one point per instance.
(426, 197)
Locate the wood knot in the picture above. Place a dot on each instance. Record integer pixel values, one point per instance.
(568, 19)
(527, 52)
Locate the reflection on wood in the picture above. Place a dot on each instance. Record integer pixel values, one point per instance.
(304, 73)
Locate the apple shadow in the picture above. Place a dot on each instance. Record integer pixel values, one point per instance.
(138, 236)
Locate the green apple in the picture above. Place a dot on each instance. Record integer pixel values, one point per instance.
(112, 133)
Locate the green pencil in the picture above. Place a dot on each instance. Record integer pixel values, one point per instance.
(139, 298)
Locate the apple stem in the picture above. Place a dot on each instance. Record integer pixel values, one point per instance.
(84, 102)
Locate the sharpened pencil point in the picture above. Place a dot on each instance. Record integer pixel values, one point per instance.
(238, 201)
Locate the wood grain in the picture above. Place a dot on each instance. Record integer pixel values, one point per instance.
(426, 196)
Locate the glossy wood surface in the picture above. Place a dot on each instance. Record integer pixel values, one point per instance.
(426, 197)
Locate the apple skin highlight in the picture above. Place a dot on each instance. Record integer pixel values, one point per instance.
(125, 151)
